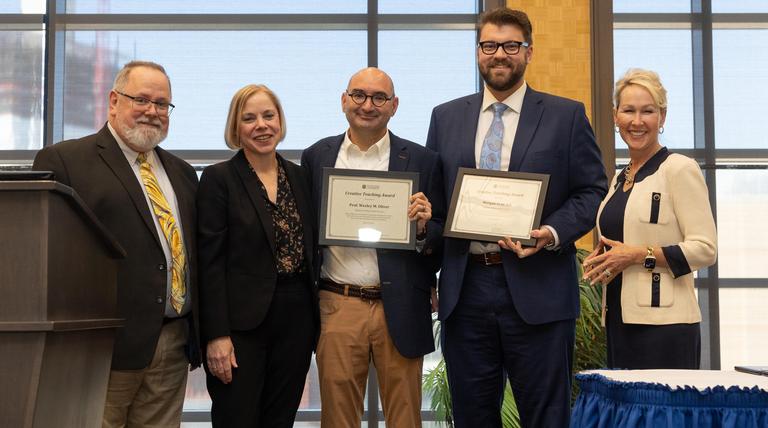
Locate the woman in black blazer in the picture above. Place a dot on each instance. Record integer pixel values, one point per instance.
(258, 304)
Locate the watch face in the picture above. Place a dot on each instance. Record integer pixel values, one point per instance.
(650, 263)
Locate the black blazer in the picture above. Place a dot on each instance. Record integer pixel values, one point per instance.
(238, 269)
(406, 276)
(97, 169)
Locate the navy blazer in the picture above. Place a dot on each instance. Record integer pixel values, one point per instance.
(97, 169)
(238, 267)
(553, 137)
(406, 276)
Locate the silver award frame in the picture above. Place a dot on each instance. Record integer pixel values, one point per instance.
(362, 208)
(487, 205)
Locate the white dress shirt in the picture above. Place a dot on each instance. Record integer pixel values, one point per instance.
(352, 265)
(510, 117)
(170, 196)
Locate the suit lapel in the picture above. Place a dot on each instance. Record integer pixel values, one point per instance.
(331, 152)
(398, 154)
(253, 189)
(325, 159)
(468, 131)
(530, 116)
(111, 154)
(185, 198)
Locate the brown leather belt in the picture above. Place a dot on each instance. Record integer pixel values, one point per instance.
(365, 293)
(487, 259)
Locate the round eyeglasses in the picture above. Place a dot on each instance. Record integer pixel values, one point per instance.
(141, 103)
(510, 47)
(378, 99)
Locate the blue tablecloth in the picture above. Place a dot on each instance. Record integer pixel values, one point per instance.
(605, 402)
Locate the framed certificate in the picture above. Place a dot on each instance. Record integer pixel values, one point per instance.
(362, 208)
(488, 205)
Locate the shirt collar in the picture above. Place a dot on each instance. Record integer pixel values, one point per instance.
(380, 148)
(129, 153)
(514, 101)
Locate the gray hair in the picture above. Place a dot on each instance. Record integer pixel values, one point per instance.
(122, 76)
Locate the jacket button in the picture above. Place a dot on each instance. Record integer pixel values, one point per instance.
(161, 267)
(428, 251)
(159, 300)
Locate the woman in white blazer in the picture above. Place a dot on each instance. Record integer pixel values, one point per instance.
(656, 228)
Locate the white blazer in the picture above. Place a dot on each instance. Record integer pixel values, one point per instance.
(669, 209)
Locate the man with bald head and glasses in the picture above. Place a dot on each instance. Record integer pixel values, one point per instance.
(145, 196)
(375, 303)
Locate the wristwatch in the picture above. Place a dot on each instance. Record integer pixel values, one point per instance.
(650, 260)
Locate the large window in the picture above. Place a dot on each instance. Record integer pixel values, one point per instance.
(306, 69)
(54, 84)
(57, 67)
(710, 56)
(675, 46)
(21, 89)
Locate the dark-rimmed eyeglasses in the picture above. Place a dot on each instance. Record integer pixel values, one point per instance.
(378, 99)
(141, 103)
(510, 47)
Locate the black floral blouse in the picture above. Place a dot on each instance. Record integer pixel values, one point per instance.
(286, 221)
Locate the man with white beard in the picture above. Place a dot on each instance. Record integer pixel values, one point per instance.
(146, 197)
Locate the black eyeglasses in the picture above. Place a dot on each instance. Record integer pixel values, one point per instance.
(510, 47)
(378, 99)
(141, 103)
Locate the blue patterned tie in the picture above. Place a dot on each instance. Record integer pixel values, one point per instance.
(490, 154)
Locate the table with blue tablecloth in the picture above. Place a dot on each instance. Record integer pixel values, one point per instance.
(670, 398)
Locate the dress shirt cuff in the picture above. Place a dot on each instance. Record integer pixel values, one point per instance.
(556, 245)
(420, 243)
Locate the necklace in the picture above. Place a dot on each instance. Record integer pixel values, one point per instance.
(629, 178)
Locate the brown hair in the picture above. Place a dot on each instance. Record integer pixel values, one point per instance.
(506, 16)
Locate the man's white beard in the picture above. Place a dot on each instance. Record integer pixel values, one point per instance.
(144, 138)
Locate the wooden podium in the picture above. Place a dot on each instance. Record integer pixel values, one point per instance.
(58, 307)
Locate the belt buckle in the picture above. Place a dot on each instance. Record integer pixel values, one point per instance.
(485, 259)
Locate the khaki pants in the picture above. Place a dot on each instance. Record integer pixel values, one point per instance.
(354, 332)
(152, 397)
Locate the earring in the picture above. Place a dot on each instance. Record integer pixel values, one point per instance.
(661, 130)
(616, 128)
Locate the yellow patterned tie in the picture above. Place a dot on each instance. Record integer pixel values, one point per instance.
(168, 223)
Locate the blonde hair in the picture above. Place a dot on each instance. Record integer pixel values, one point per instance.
(646, 79)
(232, 131)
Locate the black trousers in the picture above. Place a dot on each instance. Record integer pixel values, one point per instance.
(273, 361)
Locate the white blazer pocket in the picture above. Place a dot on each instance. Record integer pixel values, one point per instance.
(654, 289)
(655, 208)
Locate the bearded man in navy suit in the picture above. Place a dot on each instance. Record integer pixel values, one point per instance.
(505, 308)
